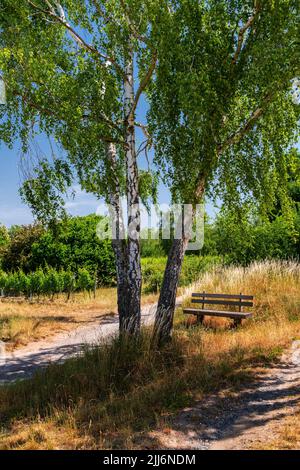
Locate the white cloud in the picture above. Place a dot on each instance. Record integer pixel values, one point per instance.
(18, 215)
(82, 203)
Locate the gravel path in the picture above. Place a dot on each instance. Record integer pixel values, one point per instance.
(23, 362)
(236, 422)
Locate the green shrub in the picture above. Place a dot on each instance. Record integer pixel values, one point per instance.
(12, 284)
(37, 282)
(85, 281)
(47, 283)
(69, 282)
(23, 284)
(3, 279)
(193, 266)
(70, 244)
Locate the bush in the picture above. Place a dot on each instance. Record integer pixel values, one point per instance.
(70, 245)
(193, 266)
(17, 252)
(74, 245)
(37, 282)
(3, 278)
(23, 283)
(152, 248)
(243, 241)
(69, 282)
(84, 282)
(48, 283)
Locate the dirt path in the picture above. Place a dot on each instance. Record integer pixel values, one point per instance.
(236, 422)
(23, 362)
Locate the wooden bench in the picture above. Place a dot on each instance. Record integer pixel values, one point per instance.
(231, 300)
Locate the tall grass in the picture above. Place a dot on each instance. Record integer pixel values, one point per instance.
(111, 395)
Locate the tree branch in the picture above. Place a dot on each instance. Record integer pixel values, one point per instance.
(36, 106)
(144, 83)
(131, 25)
(144, 128)
(79, 39)
(51, 112)
(237, 136)
(242, 33)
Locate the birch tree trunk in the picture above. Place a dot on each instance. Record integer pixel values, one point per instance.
(120, 250)
(118, 237)
(131, 323)
(167, 299)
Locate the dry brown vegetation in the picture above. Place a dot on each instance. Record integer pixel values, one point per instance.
(115, 393)
(22, 321)
(286, 436)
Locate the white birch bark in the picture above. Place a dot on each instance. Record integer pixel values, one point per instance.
(134, 279)
(118, 242)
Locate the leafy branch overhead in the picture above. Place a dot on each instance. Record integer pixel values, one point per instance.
(222, 107)
(44, 191)
(64, 67)
(67, 63)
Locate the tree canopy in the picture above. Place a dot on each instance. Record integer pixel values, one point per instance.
(223, 106)
(222, 80)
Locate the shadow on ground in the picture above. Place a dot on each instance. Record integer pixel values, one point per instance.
(224, 422)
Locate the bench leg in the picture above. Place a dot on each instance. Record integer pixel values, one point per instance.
(237, 322)
(200, 319)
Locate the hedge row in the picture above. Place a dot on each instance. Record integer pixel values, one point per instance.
(49, 282)
(193, 267)
(45, 282)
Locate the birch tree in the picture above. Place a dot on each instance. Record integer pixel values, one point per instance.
(223, 110)
(69, 70)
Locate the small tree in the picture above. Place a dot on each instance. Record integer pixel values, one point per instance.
(52, 282)
(37, 282)
(18, 252)
(4, 236)
(23, 284)
(3, 281)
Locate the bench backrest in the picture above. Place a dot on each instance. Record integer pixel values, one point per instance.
(234, 300)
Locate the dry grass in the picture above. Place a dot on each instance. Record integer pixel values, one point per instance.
(276, 312)
(22, 321)
(286, 436)
(115, 393)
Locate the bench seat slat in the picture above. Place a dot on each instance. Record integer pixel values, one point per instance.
(222, 302)
(217, 313)
(223, 296)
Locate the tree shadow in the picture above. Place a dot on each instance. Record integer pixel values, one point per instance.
(16, 368)
(216, 417)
